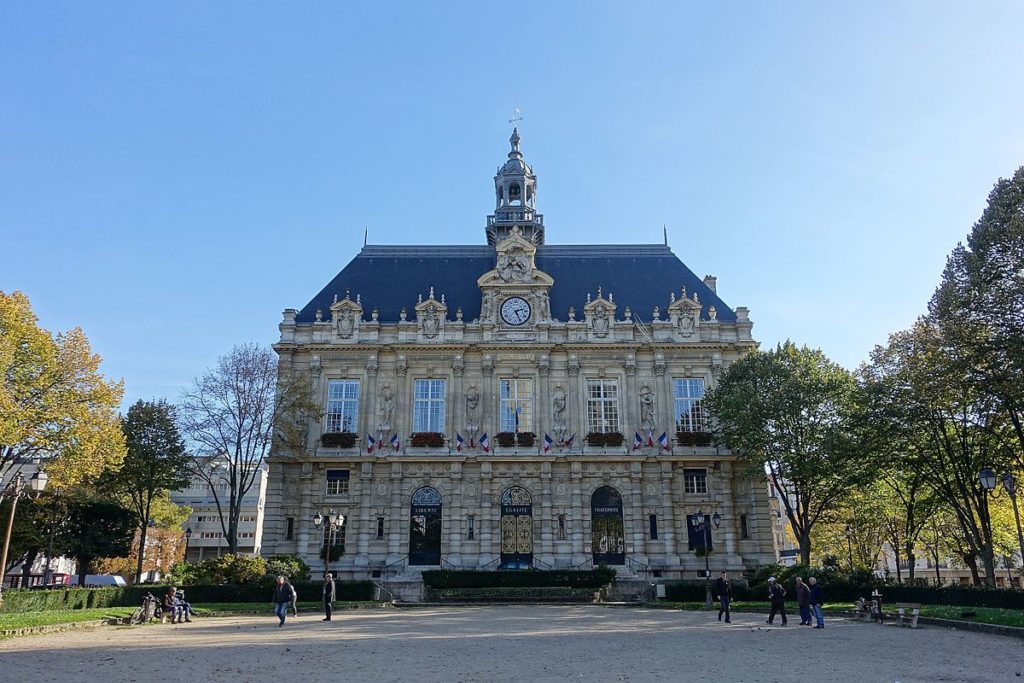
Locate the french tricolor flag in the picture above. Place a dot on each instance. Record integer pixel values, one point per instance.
(370, 443)
(568, 442)
(547, 443)
(650, 438)
(485, 443)
(459, 442)
(663, 441)
(395, 443)
(638, 441)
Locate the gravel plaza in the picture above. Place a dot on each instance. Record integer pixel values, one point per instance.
(511, 643)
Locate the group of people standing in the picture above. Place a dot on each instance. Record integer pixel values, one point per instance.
(808, 598)
(285, 597)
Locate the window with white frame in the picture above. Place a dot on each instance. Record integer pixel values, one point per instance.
(428, 406)
(688, 395)
(516, 397)
(337, 483)
(342, 405)
(602, 405)
(695, 481)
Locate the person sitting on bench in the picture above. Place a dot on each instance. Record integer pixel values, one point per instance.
(172, 606)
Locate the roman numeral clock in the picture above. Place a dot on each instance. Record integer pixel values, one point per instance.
(515, 302)
(515, 311)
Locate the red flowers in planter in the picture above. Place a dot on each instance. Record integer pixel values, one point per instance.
(427, 440)
(693, 439)
(338, 440)
(599, 439)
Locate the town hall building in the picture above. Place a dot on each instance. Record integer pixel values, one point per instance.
(514, 404)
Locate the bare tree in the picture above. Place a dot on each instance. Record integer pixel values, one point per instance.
(231, 416)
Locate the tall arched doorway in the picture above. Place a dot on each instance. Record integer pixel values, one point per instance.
(606, 536)
(425, 527)
(516, 528)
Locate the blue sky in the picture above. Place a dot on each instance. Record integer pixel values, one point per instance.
(174, 175)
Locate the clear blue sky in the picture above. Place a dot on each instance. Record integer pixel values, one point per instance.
(174, 175)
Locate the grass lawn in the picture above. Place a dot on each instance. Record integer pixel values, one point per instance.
(985, 615)
(24, 619)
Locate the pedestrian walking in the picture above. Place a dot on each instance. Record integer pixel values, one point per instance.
(816, 602)
(724, 596)
(328, 595)
(803, 601)
(776, 600)
(283, 595)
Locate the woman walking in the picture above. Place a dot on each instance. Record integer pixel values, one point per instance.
(283, 595)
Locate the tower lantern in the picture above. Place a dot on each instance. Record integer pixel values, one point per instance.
(515, 199)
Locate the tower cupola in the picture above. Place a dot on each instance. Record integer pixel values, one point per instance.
(515, 199)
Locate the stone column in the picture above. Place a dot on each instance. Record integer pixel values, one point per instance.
(668, 528)
(486, 522)
(545, 518)
(663, 405)
(399, 515)
(632, 399)
(576, 403)
(456, 516)
(542, 406)
(401, 420)
(362, 501)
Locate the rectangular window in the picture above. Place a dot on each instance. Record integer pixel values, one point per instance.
(428, 406)
(342, 405)
(290, 529)
(744, 530)
(338, 549)
(561, 527)
(337, 483)
(687, 395)
(654, 527)
(602, 405)
(695, 481)
(470, 528)
(516, 395)
(380, 528)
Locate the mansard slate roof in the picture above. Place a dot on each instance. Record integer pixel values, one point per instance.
(389, 278)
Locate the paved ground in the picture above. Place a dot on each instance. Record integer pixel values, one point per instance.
(513, 643)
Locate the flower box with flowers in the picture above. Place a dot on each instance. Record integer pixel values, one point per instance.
(693, 439)
(426, 440)
(338, 440)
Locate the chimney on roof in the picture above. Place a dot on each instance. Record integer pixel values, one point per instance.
(711, 281)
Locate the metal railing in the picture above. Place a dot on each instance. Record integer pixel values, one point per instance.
(493, 564)
(541, 564)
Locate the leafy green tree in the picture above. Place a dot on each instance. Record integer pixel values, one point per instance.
(94, 528)
(154, 464)
(792, 412)
(293, 567)
(979, 304)
(947, 428)
(54, 403)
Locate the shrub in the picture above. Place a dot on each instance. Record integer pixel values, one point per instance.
(426, 440)
(338, 440)
(292, 567)
(238, 569)
(539, 593)
(569, 578)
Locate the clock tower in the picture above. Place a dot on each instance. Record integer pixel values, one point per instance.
(515, 295)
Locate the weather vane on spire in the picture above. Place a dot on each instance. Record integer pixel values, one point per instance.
(517, 116)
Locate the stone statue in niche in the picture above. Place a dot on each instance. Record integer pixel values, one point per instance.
(487, 307)
(472, 405)
(431, 324)
(601, 323)
(558, 410)
(545, 306)
(346, 325)
(646, 409)
(387, 404)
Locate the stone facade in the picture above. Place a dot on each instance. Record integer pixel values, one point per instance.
(515, 367)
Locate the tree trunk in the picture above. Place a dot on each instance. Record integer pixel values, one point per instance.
(26, 568)
(142, 551)
(896, 555)
(911, 560)
(971, 561)
(83, 570)
(805, 549)
(989, 560)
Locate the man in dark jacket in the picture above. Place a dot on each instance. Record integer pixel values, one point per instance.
(777, 601)
(803, 601)
(817, 603)
(328, 595)
(283, 594)
(724, 596)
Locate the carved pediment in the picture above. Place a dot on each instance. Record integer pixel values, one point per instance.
(599, 314)
(431, 315)
(346, 315)
(684, 313)
(515, 265)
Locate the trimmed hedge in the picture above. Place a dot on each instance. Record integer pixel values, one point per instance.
(84, 598)
(533, 578)
(540, 593)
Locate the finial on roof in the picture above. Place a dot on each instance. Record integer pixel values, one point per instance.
(684, 291)
(359, 299)
(611, 297)
(442, 299)
(319, 315)
(664, 232)
(695, 297)
(347, 291)
(335, 297)
(588, 297)
(431, 292)
(673, 297)
(419, 298)
(599, 295)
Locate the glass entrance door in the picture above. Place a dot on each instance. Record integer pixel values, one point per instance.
(516, 529)
(425, 527)
(607, 536)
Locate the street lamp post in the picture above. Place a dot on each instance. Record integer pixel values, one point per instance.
(188, 537)
(14, 491)
(335, 521)
(702, 523)
(1011, 489)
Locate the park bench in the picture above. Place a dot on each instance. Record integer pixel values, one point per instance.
(908, 613)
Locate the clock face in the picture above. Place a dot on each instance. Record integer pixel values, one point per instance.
(515, 311)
